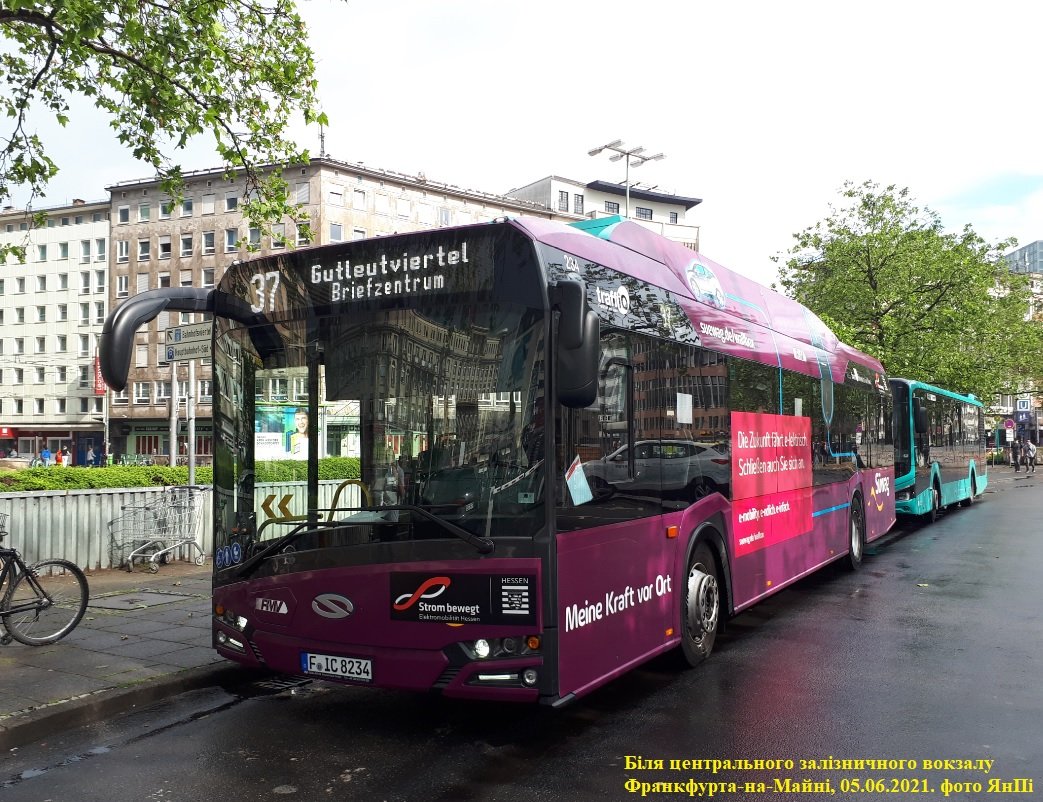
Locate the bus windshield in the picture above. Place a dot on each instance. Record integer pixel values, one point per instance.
(370, 432)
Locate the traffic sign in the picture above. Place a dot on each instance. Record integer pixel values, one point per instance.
(1008, 423)
(199, 332)
(195, 349)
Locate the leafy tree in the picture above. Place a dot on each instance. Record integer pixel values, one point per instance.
(164, 72)
(936, 306)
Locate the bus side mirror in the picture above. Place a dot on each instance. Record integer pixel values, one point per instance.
(919, 416)
(577, 373)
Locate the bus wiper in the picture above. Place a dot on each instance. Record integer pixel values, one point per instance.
(280, 543)
(483, 544)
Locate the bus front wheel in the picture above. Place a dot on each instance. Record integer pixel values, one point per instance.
(970, 498)
(936, 504)
(701, 607)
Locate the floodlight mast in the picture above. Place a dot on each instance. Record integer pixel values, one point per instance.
(633, 159)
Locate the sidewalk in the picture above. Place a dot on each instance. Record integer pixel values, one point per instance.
(144, 637)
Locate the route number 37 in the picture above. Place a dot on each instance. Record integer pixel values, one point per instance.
(265, 286)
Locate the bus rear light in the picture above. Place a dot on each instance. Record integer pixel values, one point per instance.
(669, 632)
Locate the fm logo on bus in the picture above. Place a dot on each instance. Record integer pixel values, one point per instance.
(425, 591)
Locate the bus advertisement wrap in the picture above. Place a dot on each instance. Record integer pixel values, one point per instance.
(771, 479)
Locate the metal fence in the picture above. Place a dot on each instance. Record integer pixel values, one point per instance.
(74, 524)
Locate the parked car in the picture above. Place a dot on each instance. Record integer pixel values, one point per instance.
(677, 467)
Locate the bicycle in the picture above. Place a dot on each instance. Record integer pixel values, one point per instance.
(41, 603)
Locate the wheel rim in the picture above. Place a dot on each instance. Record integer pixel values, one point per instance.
(856, 537)
(703, 603)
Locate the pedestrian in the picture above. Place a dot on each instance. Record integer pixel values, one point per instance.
(90, 456)
(1030, 456)
(66, 457)
(45, 455)
(1015, 455)
(58, 458)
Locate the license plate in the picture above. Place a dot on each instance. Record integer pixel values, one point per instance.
(328, 665)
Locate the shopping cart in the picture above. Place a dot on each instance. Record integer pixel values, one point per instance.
(152, 532)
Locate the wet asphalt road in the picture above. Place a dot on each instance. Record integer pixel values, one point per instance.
(934, 651)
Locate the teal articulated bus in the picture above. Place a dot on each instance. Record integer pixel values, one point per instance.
(940, 448)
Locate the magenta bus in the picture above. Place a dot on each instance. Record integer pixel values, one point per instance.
(512, 461)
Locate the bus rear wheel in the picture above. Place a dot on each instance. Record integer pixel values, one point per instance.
(701, 606)
(856, 534)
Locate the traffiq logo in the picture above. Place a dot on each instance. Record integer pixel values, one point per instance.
(618, 300)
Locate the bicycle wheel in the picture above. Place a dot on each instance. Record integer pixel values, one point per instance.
(60, 591)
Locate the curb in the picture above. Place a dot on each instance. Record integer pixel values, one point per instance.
(46, 721)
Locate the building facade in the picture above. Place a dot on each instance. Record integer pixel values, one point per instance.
(52, 308)
(661, 212)
(155, 244)
(1026, 259)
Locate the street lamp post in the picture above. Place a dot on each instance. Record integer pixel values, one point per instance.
(634, 158)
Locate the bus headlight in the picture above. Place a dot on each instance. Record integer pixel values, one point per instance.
(482, 648)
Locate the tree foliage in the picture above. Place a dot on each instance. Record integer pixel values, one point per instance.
(164, 72)
(935, 306)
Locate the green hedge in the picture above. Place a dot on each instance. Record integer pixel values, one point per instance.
(77, 478)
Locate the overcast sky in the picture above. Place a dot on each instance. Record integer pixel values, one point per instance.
(763, 109)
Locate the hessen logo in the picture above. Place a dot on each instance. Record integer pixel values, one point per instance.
(425, 591)
(881, 487)
(618, 300)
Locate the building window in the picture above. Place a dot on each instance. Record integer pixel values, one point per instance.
(83, 405)
(63, 345)
(563, 201)
(164, 246)
(611, 207)
(99, 248)
(209, 202)
(165, 207)
(85, 314)
(144, 250)
(359, 199)
(577, 204)
(63, 313)
(231, 201)
(358, 233)
(62, 374)
(186, 244)
(336, 196)
(41, 348)
(144, 211)
(85, 283)
(38, 404)
(123, 214)
(141, 392)
(336, 232)
(41, 253)
(99, 312)
(303, 192)
(186, 207)
(63, 250)
(19, 315)
(122, 250)
(643, 213)
(122, 286)
(279, 235)
(255, 237)
(120, 398)
(231, 238)
(85, 377)
(303, 234)
(41, 314)
(673, 218)
(99, 280)
(208, 277)
(208, 243)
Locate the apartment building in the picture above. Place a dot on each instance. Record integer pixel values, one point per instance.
(52, 308)
(156, 244)
(661, 212)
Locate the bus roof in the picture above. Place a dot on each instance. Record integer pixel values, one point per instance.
(915, 384)
(643, 254)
